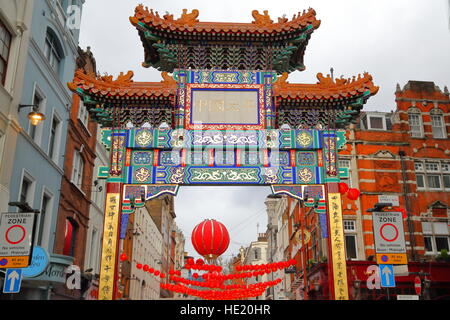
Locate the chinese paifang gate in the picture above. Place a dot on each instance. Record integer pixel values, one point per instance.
(223, 114)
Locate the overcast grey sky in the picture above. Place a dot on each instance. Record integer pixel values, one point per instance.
(395, 41)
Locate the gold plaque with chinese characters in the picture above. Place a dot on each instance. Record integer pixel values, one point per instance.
(109, 248)
(337, 247)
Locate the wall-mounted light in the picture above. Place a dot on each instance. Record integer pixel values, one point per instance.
(34, 117)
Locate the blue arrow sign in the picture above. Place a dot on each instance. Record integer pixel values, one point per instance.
(387, 276)
(13, 279)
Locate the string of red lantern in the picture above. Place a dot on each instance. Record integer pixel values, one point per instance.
(352, 193)
(215, 280)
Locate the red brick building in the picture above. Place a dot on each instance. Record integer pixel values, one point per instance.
(405, 155)
(73, 213)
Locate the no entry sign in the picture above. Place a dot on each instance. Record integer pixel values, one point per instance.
(16, 231)
(388, 232)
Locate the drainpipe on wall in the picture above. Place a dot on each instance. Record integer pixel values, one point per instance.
(412, 241)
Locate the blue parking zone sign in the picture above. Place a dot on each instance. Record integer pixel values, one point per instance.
(13, 279)
(387, 276)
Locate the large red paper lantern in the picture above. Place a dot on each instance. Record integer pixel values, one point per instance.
(343, 187)
(353, 194)
(210, 239)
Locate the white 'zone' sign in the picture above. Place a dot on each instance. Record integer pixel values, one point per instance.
(16, 234)
(388, 232)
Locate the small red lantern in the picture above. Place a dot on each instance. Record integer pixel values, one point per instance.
(139, 266)
(190, 261)
(343, 187)
(145, 268)
(157, 273)
(123, 257)
(151, 270)
(353, 194)
(195, 275)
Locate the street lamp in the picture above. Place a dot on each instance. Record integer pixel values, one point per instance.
(34, 117)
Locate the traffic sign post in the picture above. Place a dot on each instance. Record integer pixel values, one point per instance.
(16, 236)
(417, 285)
(390, 247)
(387, 276)
(13, 280)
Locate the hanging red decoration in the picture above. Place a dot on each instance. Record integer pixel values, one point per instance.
(123, 257)
(145, 267)
(353, 194)
(210, 239)
(343, 187)
(139, 266)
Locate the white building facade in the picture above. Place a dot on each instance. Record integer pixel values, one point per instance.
(97, 209)
(255, 254)
(147, 250)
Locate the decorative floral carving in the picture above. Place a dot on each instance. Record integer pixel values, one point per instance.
(142, 174)
(235, 175)
(270, 175)
(177, 175)
(304, 139)
(305, 175)
(144, 137)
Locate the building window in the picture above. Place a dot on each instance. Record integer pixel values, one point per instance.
(349, 225)
(53, 137)
(432, 175)
(437, 124)
(376, 123)
(52, 50)
(70, 238)
(83, 114)
(93, 253)
(5, 46)
(436, 237)
(415, 123)
(25, 189)
(350, 239)
(77, 171)
(44, 210)
(345, 163)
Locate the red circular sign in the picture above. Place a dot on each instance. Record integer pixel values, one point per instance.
(417, 285)
(7, 235)
(386, 238)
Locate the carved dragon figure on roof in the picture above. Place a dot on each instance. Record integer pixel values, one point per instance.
(261, 19)
(188, 18)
